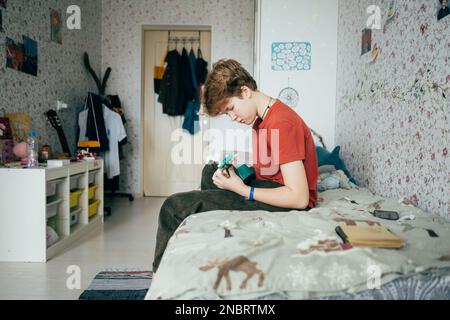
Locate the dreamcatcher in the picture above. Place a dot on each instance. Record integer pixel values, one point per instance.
(289, 96)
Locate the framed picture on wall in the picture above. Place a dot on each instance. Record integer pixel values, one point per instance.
(14, 55)
(366, 41)
(291, 56)
(30, 48)
(55, 26)
(443, 9)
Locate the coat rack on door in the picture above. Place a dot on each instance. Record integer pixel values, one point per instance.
(183, 40)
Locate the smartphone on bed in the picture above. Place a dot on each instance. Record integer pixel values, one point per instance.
(384, 214)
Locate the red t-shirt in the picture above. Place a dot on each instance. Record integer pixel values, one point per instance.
(295, 143)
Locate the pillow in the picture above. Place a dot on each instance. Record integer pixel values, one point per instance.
(326, 158)
(334, 180)
(327, 168)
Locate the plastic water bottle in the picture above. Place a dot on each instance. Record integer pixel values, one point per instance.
(32, 149)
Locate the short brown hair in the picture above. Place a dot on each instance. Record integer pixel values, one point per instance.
(223, 82)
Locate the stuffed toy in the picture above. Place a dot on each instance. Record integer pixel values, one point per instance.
(20, 151)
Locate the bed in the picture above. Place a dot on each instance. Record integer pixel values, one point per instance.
(241, 255)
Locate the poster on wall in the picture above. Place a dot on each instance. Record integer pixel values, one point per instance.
(443, 9)
(291, 56)
(22, 56)
(55, 26)
(14, 55)
(31, 56)
(3, 3)
(366, 42)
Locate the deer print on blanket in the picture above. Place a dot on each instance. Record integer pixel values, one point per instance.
(322, 243)
(228, 233)
(323, 246)
(238, 264)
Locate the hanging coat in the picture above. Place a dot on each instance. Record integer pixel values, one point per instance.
(187, 93)
(177, 88)
(95, 126)
(170, 84)
(201, 68)
(191, 119)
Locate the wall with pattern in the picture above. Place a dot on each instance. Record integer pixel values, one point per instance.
(393, 114)
(232, 26)
(61, 73)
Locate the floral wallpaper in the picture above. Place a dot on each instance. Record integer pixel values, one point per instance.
(232, 24)
(61, 73)
(393, 114)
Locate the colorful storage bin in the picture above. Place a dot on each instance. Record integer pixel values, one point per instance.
(91, 193)
(50, 189)
(91, 176)
(93, 207)
(74, 197)
(74, 185)
(52, 208)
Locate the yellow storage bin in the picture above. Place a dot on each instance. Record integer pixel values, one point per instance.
(93, 207)
(74, 197)
(92, 191)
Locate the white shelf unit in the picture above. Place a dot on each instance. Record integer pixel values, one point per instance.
(24, 209)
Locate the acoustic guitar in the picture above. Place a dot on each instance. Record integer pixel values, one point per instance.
(55, 121)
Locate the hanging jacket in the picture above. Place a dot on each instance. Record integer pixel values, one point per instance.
(177, 88)
(170, 84)
(113, 102)
(191, 119)
(188, 88)
(201, 68)
(95, 126)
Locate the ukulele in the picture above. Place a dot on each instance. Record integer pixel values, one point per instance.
(54, 120)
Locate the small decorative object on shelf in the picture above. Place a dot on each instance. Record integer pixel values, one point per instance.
(85, 155)
(20, 151)
(45, 152)
(58, 163)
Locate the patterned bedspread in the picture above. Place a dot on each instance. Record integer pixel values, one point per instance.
(434, 286)
(297, 255)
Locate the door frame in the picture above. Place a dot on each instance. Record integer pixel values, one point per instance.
(190, 28)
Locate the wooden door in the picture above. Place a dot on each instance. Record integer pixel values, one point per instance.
(162, 176)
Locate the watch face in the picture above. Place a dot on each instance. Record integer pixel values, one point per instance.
(289, 96)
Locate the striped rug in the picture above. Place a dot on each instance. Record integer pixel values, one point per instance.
(118, 285)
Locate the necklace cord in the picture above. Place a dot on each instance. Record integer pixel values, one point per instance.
(268, 107)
